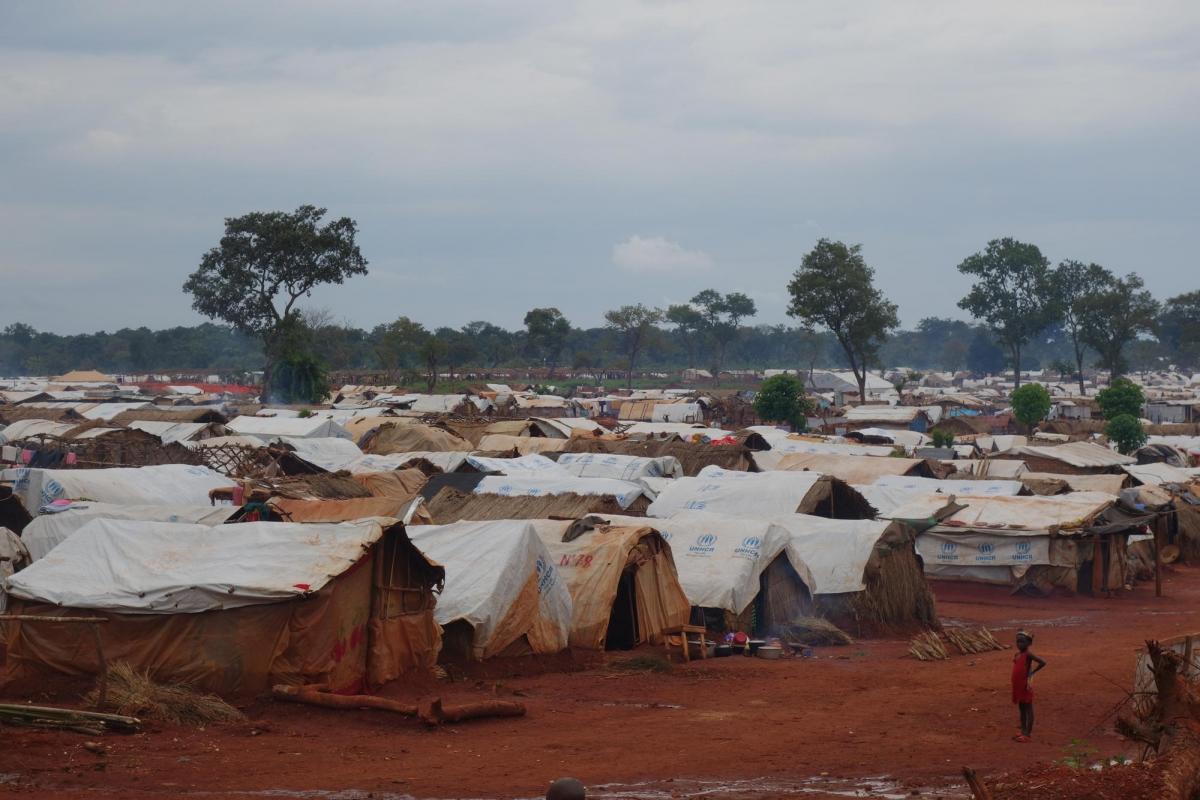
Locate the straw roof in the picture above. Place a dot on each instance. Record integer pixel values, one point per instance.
(452, 505)
(172, 414)
(692, 457)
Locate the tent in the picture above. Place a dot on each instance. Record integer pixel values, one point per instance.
(392, 437)
(850, 468)
(503, 595)
(232, 609)
(50, 530)
(761, 494)
(620, 467)
(622, 579)
(983, 488)
(452, 504)
(168, 484)
(736, 570)
(269, 428)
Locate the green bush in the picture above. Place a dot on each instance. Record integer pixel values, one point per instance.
(941, 438)
(1031, 404)
(781, 399)
(1125, 431)
(1122, 396)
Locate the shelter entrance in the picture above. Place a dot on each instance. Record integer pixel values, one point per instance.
(622, 622)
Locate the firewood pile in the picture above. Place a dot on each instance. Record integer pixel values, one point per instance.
(929, 646)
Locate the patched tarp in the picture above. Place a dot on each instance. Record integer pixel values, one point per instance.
(619, 467)
(531, 466)
(984, 549)
(501, 581)
(49, 530)
(623, 492)
(834, 551)
(592, 565)
(169, 484)
(738, 494)
(973, 488)
(850, 468)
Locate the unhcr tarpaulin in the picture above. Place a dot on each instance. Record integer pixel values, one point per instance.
(619, 467)
(984, 549)
(834, 551)
(623, 492)
(169, 484)
(982, 487)
(531, 466)
(446, 462)
(593, 564)
(268, 428)
(738, 494)
(49, 530)
(328, 453)
(852, 469)
(500, 581)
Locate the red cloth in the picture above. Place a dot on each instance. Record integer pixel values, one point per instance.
(1022, 693)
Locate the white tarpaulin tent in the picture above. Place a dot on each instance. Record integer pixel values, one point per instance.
(446, 462)
(168, 484)
(26, 428)
(624, 492)
(737, 494)
(1022, 548)
(169, 432)
(329, 453)
(619, 467)
(268, 428)
(137, 567)
(499, 580)
(50, 530)
(972, 488)
(530, 466)
(1158, 474)
(834, 551)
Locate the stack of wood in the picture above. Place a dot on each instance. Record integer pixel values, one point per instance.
(970, 641)
(927, 647)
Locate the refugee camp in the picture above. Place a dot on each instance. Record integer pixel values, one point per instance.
(636, 401)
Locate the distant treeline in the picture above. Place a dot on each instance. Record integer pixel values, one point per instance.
(936, 343)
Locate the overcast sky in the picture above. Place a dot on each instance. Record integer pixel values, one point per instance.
(504, 155)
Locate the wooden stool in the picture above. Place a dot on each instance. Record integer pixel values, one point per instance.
(683, 632)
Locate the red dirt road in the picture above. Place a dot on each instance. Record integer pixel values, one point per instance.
(851, 713)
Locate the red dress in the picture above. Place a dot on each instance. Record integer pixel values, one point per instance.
(1022, 693)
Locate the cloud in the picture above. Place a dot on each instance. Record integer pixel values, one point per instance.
(658, 254)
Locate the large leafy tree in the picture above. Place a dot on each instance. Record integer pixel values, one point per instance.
(689, 323)
(636, 327)
(1013, 294)
(398, 344)
(1076, 284)
(492, 343)
(1123, 397)
(1114, 316)
(834, 289)
(1030, 404)
(781, 399)
(1179, 327)
(721, 315)
(264, 264)
(547, 330)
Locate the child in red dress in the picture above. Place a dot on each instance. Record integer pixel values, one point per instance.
(1022, 688)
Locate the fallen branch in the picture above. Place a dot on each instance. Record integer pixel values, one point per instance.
(313, 697)
(92, 722)
(437, 714)
(978, 790)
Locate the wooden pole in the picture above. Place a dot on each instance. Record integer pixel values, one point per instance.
(1097, 566)
(1158, 562)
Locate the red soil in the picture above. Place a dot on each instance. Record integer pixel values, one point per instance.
(853, 712)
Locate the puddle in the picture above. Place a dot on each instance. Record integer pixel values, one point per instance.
(811, 788)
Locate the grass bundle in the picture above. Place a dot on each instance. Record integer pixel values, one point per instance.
(133, 693)
(815, 632)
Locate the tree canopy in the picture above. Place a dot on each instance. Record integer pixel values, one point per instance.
(781, 398)
(1075, 285)
(1030, 404)
(1179, 327)
(547, 330)
(1113, 316)
(635, 326)
(834, 289)
(1013, 294)
(1122, 396)
(1126, 432)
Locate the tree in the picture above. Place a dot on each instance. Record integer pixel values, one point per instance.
(398, 344)
(1075, 284)
(1112, 318)
(1122, 397)
(432, 352)
(1030, 404)
(688, 324)
(1179, 327)
(547, 330)
(720, 317)
(1013, 294)
(265, 263)
(983, 356)
(458, 348)
(635, 326)
(781, 398)
(834, 289)
(491, 342)
(1126, 432)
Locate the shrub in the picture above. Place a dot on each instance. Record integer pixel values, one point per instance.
(1031, 404)
(941, 438)
(781, 399)
(1122, 396)
(1125, 431)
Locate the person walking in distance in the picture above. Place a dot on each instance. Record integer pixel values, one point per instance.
(1022, 687)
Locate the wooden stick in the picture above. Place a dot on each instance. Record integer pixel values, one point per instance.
(67, 716)
(38, 618)
(436, 714)
(309, 696)
(978, 790)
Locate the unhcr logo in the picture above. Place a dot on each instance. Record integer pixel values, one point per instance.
(1024, 552)
(948, 551)
(706, 545)
(749, 548)
(987, 552)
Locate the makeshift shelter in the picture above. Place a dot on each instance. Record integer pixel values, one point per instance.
(503, 596)
(404, 484)
(1075, 541)
(761, 494)
(450, 504)
(409, 511)
(692, 457)
(1076, 458)
(522, 445)
(233, 609)
(168, 484)
(1040, 483)
(48, 531)
(270, 428)
(424, 460)
(392, 437)
(622, 580)
(964, 488)
(317, 454)
(736, 572)
(619, 467)
(849, 468)
(176, 414)
(866, 576)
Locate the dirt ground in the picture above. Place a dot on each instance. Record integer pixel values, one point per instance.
(855, 721)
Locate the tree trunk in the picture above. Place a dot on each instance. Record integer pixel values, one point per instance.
(1079, 367)
(1015, 352)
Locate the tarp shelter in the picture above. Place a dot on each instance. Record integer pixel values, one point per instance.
(232, 609)
(971, 488)
(865, 574)
(453, 504)
(523, 445)
(1158, 474)
(531, 466)
(503, 595)
(168, 484)
(29, 428)
(394, 437)
(269, 428)
(409, 511)
(736, 565)
(329, 454)
(624, 492)
(169, 432)
(446, 462)
(761, 494)
(1073, 457)
(852, 469)
(1105, 483)
(622, 579)
(50, 530)
(1001, 468)
(619, 467)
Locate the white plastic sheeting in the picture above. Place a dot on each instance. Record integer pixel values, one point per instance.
(107, 411)
(268, 428)
(487, 565)
(530, 466)
(835, 551)
(619, 467)
(624, 492)
(1158, 474)
(169, 432)
(330, 454)
(984, 488)
(50, 530)
(169, 484)
(680, 429)
(984, 549)
(446, 462)
(170, 568)
(719, 558)
(738, 494)
(25, 428)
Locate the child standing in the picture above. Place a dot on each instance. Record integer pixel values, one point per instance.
(1022, 688)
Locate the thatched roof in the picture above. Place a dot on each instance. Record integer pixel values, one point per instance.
(320, 486)
(452, 505)
(11, 413)
(692, 457)
(172, 414)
